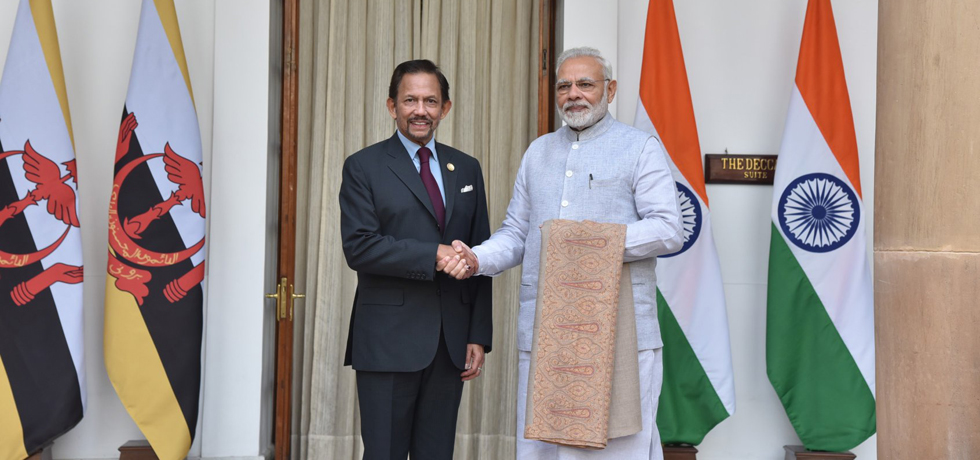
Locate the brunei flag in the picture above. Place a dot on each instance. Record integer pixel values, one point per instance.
(820, 353)
(698, 389)
(153, 305)
(42, 380)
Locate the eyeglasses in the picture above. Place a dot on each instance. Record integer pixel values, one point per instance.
(585, 85)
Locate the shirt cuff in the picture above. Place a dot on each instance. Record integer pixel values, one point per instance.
(481, 269)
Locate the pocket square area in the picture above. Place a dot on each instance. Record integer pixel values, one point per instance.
(468, 188)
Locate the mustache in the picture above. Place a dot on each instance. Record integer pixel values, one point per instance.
(425, 119)
(571, 104)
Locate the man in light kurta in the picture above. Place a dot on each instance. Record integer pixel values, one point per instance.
(594, 168)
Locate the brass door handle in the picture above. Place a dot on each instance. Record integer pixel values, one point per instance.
(292, 298)
(283, 298)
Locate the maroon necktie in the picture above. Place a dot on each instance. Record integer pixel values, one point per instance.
(431, 186)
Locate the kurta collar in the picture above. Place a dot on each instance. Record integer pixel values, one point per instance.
(589, 133)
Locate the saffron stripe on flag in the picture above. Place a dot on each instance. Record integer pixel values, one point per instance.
(666, 95)
(820, 79)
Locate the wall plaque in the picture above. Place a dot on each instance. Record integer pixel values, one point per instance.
(723, 168)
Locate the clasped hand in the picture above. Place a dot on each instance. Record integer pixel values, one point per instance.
(457, 260)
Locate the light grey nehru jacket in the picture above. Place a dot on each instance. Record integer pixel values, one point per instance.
(609, 172)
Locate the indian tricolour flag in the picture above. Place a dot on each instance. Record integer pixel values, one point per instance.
(154, 294)
(819, 328)
(42, 371)
(698, 389)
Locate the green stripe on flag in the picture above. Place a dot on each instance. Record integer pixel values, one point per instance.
(689, 405)
(825, 396)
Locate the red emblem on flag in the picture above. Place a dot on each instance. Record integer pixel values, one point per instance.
(124, 234)
(52, 187)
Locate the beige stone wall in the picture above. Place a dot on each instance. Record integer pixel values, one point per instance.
(927, 230)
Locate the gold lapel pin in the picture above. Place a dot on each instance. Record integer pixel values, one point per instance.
(450, 167)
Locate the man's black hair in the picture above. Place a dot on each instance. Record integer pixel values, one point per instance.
(417, 66)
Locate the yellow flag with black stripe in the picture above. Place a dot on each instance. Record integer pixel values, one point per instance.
(42, 372)
(154, 294)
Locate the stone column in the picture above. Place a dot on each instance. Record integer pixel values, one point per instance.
(927, 230)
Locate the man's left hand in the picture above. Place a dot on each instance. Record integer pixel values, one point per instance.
(474, 361)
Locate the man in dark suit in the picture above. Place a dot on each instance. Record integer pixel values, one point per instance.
(415, 334)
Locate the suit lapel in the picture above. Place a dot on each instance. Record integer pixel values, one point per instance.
(401, 164)
(446, 156)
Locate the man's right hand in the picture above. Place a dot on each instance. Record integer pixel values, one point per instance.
(448, 258)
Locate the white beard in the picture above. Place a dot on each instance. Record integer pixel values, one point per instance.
(587, 118)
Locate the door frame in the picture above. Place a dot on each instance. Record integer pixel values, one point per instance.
(286, 265)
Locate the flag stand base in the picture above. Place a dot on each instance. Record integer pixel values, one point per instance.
(43, 454)
(800, 453)
(137, 450)
(680, 452)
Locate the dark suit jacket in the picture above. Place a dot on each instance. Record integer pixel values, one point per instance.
(390, 238)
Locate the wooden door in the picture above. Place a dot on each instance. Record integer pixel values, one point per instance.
(284, 295)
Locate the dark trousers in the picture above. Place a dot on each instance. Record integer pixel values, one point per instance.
(411, 412)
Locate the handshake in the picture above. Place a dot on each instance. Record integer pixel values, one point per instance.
(457, 260)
